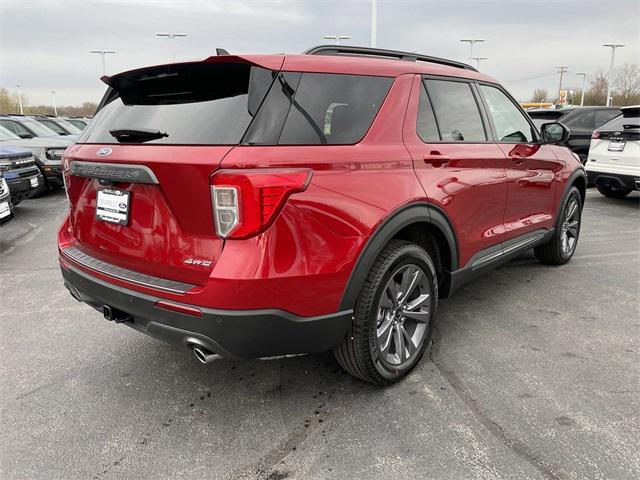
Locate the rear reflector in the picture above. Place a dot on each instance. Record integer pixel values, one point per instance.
(245, 202)
(176, 307)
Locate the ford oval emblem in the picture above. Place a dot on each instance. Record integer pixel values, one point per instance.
(103, 152)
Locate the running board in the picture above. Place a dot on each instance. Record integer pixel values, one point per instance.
(494, 256)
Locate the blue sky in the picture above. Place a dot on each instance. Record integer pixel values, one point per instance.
(45, 44)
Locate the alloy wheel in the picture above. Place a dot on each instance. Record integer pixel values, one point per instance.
(403, 315)
(570, 226)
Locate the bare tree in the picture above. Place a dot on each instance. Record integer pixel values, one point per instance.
(626, 84)
(596, 94)
(9, 101)
(540, 95)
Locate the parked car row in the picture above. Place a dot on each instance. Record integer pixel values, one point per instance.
(581, 121)
(31, 148)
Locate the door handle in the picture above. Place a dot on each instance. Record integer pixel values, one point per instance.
(435, 157)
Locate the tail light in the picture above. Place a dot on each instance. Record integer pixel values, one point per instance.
(595, 135)
(245, 202)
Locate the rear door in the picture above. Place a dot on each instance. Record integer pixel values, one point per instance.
(139, 178)
(461, 170)
(531, 167)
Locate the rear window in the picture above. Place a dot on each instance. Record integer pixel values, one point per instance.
(630, 119)
(185, 104)
(228, 104)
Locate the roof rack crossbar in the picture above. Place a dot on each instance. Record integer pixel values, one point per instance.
(383, 53)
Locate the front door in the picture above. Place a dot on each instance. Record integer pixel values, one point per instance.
(460, 169)
(532, 168)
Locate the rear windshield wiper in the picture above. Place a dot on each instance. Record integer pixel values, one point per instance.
(136, 135)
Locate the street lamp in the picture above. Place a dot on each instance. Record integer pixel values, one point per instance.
(102, 53)
(171, 36)
(478, 59)
(55, 108)
(337, 38)
(20, 99)
(472, 42)
(613, 47)
(584, 77)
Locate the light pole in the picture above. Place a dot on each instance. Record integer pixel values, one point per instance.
(472, 42)
(613, 47)
(561, 71)
(102, 53)
(55, 108)
(337, 38)
(171, 36)
(584, 78)
(478, 59)
(374, 22)
(20, 99)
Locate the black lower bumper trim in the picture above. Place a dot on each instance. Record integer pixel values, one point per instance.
(230, 333)
(630, 182)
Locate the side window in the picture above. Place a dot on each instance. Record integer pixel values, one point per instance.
(456, 110)
(510, 124)
(333, 109)
(53, 126)
(603, 116)
(581, 120)
(15, 127)
(426, 127)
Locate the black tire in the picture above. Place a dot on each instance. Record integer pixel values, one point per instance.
(360, 353)
(554, 252)
(612, 191)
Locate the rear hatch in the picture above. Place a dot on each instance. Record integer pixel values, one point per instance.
(139, 178)
(617, 142)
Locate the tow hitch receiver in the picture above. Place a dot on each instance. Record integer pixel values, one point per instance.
(115, 315)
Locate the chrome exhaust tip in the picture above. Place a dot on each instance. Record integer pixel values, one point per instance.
(205, 356)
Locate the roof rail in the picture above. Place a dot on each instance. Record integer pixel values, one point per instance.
(380, 52)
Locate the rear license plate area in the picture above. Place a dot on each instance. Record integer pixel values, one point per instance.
(112, 205)
(616, 146)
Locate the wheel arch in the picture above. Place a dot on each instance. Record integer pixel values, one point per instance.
(417, 222)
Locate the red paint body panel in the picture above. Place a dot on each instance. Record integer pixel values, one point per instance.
(302, 262)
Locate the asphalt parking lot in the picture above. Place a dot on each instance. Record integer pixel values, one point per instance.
(534, 373)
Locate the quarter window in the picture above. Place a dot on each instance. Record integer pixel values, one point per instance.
(456, 110)
(510, 124)
(426, 127)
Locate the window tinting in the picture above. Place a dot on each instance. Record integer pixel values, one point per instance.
(197, 104)
(510, 124)
(619, 122)
(333, 109)
(15, 127)
(580, 119)
(426, 127)
(456, 110)
(53, 126)
(6, 134)
(603, 116)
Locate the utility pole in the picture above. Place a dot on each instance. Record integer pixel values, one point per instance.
(374, 22)
(584, 78)
(20, 99)
(171, 37)
(477, 59)
(561, 71)
(55, 108)
(472, 42)
(102, 53)
(337, 38)
(613, 47)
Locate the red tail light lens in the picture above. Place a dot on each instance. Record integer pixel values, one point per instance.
(595, 135)
(245, 202)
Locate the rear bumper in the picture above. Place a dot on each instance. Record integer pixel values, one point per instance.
(230, 333)
(620, 180)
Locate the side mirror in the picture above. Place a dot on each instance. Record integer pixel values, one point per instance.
(25, 135)
(554, 133)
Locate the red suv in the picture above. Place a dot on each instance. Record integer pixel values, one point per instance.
(251, 206)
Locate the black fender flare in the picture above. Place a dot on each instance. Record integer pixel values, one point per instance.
(577, 173)
(413, 213)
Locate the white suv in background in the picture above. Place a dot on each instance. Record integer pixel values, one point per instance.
(614, 155)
